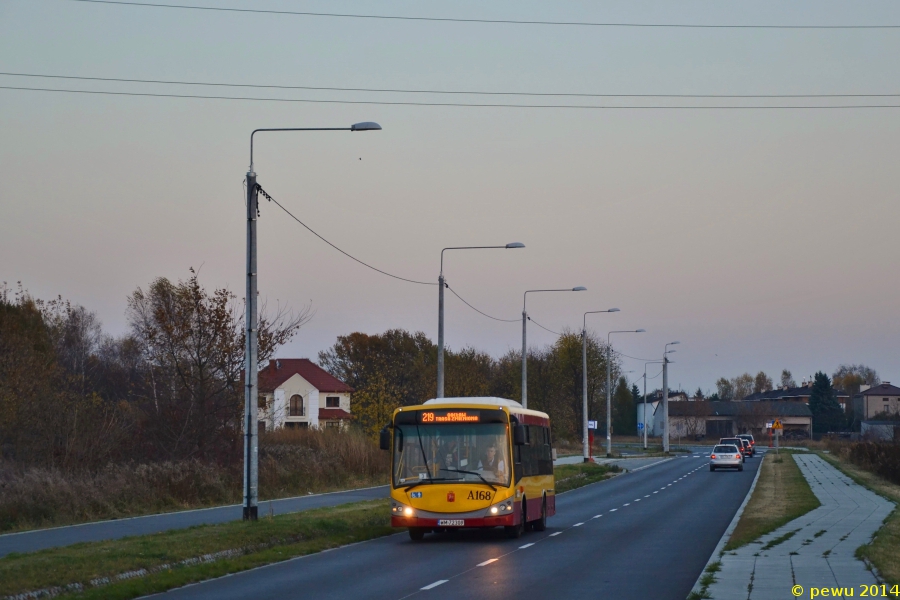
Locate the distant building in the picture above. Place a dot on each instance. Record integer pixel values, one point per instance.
(881, 431)
(723, 419)
(296, 392)
(796, 394)
(881, 399)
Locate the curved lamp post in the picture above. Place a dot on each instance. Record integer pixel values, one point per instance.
(441, 285)
(251, 349)
(609, 390)
(584, 399)
(666, 396)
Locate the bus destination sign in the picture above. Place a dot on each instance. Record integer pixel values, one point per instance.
(452, 415)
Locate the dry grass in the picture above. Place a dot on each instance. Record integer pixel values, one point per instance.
(291, 463)
(781, 495)
(884, 550)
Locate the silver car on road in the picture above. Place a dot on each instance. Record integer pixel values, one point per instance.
(726, 456)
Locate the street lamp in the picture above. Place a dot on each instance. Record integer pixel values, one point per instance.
(524, 329)
(441, 284)
(651, 362)
(584, 399)
(251, 349)
(666, 395)
(609, 391)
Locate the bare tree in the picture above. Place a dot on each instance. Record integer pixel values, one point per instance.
(762, 383)
(787, 380)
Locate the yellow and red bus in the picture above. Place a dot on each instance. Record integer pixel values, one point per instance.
(470, 462)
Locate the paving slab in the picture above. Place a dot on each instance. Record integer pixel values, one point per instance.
(822, 550)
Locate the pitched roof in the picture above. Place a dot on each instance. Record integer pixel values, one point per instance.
(334, 413)
(799, 393)
(280, 370)
(882, 389)
(784, 408)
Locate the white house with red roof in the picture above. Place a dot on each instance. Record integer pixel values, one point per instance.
(296, 392)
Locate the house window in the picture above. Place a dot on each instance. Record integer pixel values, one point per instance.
(293, 425)
(332, 402)
(261, 427)
(332, 424)
(261, 402)
(296, 407)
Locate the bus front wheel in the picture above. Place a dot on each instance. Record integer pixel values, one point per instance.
(516, 531)
(417, 534)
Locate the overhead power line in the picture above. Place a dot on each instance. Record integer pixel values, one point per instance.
(455, 104)
(478, 311)
(479, 21)
(347, 254)
(544, 328)
(422, 91)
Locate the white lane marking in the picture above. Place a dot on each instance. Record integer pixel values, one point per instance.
(647, 496)
(526, 546)
(555, 534)
(670, 485)
(435, 584)
(577, 524)
(637, 500)
(627, 504)
(596, 516)
(655, 491)
(485, 563)
(613, 509)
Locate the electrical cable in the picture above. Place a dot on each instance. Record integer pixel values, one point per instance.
(455, 104)
(456, 92)
(542, 327)
(632, 357)
(308, 228)
(478, 311)
(485, 21)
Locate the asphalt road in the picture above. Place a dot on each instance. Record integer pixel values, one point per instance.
(30, 541)
(641, 535)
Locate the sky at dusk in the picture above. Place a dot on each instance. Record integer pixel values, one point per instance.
(761, 239)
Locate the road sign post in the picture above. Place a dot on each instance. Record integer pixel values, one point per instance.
(777, 428)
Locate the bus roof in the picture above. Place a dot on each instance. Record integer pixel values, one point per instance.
(511, 405)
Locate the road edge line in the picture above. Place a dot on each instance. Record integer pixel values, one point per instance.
(729, 530)
(659, 462)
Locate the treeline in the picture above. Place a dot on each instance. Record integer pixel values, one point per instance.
(74, 397)
(399, 368)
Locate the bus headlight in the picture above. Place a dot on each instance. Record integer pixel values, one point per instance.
(494, 510)
(502, 508)
(408, 511)
(402, 511)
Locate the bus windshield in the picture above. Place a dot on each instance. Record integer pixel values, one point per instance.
(451, 453)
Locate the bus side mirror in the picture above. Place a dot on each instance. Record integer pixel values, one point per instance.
(384, 440)
(519, 436)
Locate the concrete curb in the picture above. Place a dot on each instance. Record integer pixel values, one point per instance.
(729, 530)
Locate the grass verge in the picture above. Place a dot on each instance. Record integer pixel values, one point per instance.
(709, 578)
(884, 549)
(570, 477)
(172, 559)
(781, 495)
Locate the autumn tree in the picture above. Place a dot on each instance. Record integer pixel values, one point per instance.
(192, 345)
(787, 380)
(850, 378)
(762, 383)
(743, 386)
(725, 389)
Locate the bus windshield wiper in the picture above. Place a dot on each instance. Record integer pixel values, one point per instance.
(410, 486)
(476, 474)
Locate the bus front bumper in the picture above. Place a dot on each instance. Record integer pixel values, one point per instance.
(430, 523)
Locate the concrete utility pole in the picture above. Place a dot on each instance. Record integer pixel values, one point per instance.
(251, 344)
(651, 362)
(584, 400)
(442, 283)
(251, 376)
(665, 400)
(666, 395)
(525, 331)
(609, 390)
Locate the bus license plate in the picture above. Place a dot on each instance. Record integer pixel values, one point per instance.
(451, 523)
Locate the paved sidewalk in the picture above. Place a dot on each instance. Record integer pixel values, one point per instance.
(821, 551)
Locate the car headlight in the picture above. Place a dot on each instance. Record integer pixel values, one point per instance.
(502, 508)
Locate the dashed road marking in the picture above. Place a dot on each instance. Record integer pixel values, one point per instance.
(435, 584)
(555, 534)
(526, 546)
(485, 563)
(613, 509)
(577, 524)
(596, 516)
(647, 496)
(655, 491)
(627, 504)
